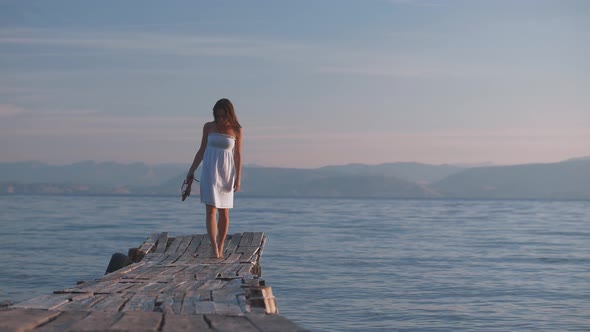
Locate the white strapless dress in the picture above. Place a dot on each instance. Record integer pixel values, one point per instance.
(219, 171)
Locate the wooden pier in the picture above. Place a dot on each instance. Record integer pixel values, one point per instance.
(171, 284)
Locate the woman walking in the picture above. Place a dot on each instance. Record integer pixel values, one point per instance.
(221, 156)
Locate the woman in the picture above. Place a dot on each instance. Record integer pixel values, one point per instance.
(221, 155)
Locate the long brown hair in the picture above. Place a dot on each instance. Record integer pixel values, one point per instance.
(228, 108)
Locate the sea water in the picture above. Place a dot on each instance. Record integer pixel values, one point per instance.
(338, 264)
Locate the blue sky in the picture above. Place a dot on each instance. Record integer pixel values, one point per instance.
(314, 83)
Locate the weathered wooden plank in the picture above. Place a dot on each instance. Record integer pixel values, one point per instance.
(212, 284)
(155, 287)
(78, 288)
(230, 271)
(115, 287)
(111, 303)
(151, 272)
(190, 286)
(125, 272)
(163, 258)
(183, 275)
(97, 321)
(81, 304)
(193, 271)
(230, 308)
(140, 302)
(262, 297)
(189, 252)
(234, 284)
(139, 286)
(204, 250)
(138, 321)
(83, 288)
(273, 323)
(256, 239)
(19, 319)
(172, 286)
(47, 302)
(209, 272)
(170, 273)
(249, 254)
(231, 323)
(169, 303)
(136, 284)
(160, 275)
(149, 243)
(174, 245)
(162, 242)
(63, 322)
(246, 269)
(191, 300)
(231, 258)
(153, 258)
(246, 239)
(204, 307)
(231, 243)
(59, 300)
(187, 323)
(225, 295)
(188, 274)
(79, 296)
(186, 241)
(182, 247)
(244, 305)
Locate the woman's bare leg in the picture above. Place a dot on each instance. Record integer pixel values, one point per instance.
(223, 227)
(211, 214)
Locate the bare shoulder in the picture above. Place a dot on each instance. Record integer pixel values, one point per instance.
(238, 131)
(208, 126)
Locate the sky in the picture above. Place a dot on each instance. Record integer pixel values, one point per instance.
(314, 83)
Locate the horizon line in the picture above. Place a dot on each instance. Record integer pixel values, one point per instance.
(457, 164)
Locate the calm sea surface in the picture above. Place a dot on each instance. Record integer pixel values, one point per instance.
(335, 264)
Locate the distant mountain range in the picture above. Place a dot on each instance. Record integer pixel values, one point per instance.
(564, 180)
(569, 179)
(108, 174)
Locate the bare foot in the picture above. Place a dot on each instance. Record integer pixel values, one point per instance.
(214, 253)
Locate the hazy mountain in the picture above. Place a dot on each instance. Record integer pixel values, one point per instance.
(415, 172)
(293, 182)
(318, 183)
(580, 159)
(564, 180)
(106, 174)
(365, 186)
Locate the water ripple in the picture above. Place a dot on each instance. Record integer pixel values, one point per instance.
(339, 265)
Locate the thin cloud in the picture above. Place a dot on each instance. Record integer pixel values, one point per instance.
(132, 41)
(322, 59)
(407, 68)
(507, 134)
(74, 123)
(385, 71)
(7, 110)
(421, 3)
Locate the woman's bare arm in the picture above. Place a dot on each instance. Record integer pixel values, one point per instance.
(238, 159)
(199, 156)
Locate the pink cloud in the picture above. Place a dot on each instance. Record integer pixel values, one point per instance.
(10, 110)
